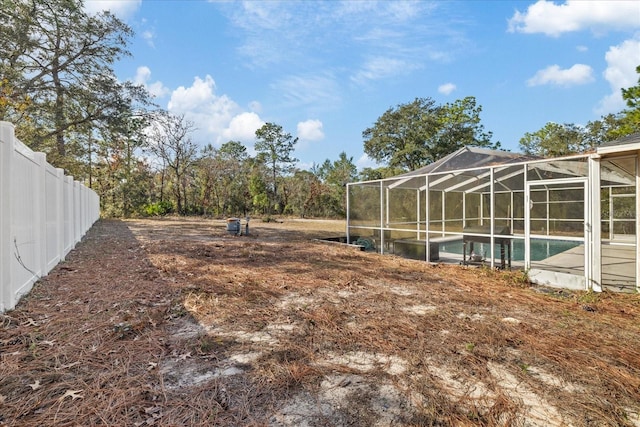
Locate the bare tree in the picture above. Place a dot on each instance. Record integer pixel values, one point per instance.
(171, 142)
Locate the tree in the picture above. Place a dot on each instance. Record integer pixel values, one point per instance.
(223, 176)
(554, 140)
(415, 134)
(258, 190)
(559, 140)
(459, 125)
(120, 175)
(58, 60)
(171, 142)
(372, 174)
(275, 147)
(603, 130)
(307, 194)
(630, 120)
(338, 172)
(335, 175)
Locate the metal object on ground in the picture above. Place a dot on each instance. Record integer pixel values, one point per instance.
(233, 226)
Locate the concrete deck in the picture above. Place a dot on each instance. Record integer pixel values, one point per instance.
(567, 268)
(618, 265)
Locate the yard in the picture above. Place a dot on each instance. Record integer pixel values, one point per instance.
(175, 322)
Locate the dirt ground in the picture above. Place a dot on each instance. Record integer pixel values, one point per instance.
(174, 322)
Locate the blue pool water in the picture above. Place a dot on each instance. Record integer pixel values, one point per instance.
(540, 249)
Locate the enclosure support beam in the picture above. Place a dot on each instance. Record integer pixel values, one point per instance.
(638, 222)
(348, 216)
(418, 215)
(492, 217)
(593, 264)
(444, 218)
(510, 213)
(382, 209)
(464, 210)
(548, 213)
(610, 214)
(386, 204)
(426, 217)
(527, 221)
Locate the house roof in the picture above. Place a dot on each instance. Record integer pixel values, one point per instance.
(626, 143)
(634, 138)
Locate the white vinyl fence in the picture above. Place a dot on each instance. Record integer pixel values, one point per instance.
(43, 214)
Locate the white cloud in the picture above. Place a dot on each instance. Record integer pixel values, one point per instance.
(310, 130)
(579, 74)
(149, 36)
(255, 106)
(582, 48)
(312, 90)
(622, 61)
(275, 32)
(123, 9)
(199, 95)
(381, 67)
(446, 88)
(242, 128)
(403, 10)
(218, 119)
(157, 89)
(383, 12)
(574, 15)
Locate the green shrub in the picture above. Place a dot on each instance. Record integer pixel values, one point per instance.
(158, 208)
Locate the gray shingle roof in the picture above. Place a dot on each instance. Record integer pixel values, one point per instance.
(634, 138)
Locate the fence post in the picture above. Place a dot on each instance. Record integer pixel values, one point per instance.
(6, 155)
(60, 211)
(68, 214)
(77, 226)
(40, 208)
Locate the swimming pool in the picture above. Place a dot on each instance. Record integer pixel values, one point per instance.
(540, 248)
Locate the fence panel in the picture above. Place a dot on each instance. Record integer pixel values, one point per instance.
(25, 227)
(41, 216)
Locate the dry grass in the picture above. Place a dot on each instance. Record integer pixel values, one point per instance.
(174, 322)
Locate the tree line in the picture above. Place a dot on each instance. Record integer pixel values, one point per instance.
(58, 86)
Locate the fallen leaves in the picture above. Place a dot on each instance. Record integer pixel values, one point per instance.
(73, 394)
(30, 322)
(154, 415)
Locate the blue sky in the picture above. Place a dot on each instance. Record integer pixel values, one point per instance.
(325, 71)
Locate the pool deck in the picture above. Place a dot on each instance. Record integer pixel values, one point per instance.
(618, 266)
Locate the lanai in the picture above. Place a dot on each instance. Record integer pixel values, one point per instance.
(578, 229)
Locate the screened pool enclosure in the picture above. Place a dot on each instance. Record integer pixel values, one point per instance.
(569, 222)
